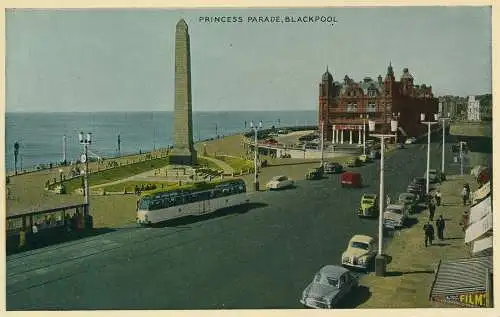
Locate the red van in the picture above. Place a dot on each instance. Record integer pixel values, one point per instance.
(351, 179)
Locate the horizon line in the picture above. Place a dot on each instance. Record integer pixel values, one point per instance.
(140, 111)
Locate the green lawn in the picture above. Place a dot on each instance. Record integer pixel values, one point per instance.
(209, 164)
(117, 173)
(236, 163)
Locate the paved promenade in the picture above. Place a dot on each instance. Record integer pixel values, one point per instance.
(411, 270)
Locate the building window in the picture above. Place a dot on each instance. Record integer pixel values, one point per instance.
(352, 107)
(372, 93)
(371, 107)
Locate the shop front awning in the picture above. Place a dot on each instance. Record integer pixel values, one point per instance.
(482, 245)
(480, 210)
(479, 228)
(463, 282)
(481, 193)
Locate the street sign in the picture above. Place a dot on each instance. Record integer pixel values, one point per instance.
(83, 158)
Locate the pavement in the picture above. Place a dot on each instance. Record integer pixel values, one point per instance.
(410, 272)
(259, 255)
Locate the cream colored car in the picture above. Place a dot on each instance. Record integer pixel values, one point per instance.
(360, 252)
(279, 182)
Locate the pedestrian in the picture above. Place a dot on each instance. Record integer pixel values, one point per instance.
(467, 188)
(437, 196)
(464, 222)
(428, 233)
(440, 224)
(432, 210)
(388, 200)
(464, 195)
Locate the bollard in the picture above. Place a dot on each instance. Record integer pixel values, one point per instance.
(380, 265)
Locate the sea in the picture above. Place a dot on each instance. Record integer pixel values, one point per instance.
(40, 135)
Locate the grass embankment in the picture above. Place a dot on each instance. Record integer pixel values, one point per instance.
(129, 186)
(122, 172)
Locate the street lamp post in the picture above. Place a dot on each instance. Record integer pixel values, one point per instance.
(255, 129)
(322, 140)
(85, 141)
(396, 115)
(380, 263)
(443, 119)
(429, 123)
(462, 143)
(364, 118)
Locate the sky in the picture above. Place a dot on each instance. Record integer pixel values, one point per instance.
(123, 59)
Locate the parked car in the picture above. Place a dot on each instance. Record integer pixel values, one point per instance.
(360, 252)
(364, 158)
(416, 190)
(354, 162)
(410, 201)
(395, 216)
(314, 173)
(400, 146)
(374, 155)
(410, 140)
(420, 181)
(329, 285)
(333, 168)
(351, 179)
(278, 182)
(436, 176)
(369, 206)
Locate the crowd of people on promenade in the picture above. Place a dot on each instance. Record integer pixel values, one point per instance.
(434, 201)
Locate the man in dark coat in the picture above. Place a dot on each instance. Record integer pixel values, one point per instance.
(429, 233)
(432, 210)
(440, 224)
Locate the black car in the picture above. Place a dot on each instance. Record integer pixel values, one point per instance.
(333, 168)
(419, 181)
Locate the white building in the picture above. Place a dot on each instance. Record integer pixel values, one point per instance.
(473, 113)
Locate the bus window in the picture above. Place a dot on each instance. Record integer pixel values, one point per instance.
(144, 204)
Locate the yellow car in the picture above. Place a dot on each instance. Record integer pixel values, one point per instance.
(369, 206)
(360, 252)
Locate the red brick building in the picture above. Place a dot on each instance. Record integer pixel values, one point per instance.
(342, 104)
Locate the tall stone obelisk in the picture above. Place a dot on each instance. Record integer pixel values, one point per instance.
(183, 152)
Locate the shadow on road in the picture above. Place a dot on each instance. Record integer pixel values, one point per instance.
(52, 236)
(283, 188)
(399, 273)
(441, 244)
(291, 163)
(358, 296)
(241, 209)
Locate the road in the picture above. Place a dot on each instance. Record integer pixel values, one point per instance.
(258, 257)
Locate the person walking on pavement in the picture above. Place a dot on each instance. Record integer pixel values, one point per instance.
(467, 188)
(428, 233)
(437, 196)
(440, 227)
(432, 210)
(388, 200)
(464, 195)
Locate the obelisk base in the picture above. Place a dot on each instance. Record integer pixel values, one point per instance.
(182, 156)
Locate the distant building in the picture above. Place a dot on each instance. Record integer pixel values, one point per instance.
(473, 109)
(342, 104)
